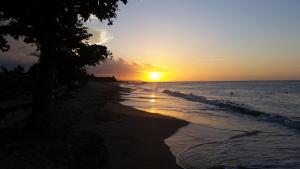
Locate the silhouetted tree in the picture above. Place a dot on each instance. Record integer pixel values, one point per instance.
(14, 83)
(56, 28)
(71, 69)
(19, 69)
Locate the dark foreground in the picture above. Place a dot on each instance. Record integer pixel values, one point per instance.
(92, 130)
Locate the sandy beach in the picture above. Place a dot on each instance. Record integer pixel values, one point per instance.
(91, 129)
(134, 138)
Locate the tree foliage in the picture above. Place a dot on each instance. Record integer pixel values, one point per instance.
(56, 28)
(36, 19)
(57, 24)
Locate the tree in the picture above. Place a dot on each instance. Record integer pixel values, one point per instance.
(71, 69)
(56, 28)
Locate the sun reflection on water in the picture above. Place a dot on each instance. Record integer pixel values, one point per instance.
(152, 100)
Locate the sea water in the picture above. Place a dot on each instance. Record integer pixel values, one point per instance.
(233, 125)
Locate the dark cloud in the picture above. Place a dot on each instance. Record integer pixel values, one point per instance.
(19, 53)
(26, 55)
(123, 70)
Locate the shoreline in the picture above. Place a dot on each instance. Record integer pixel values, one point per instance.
(91, 129)
(135, 139)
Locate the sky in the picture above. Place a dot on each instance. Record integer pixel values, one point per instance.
(210, 39)
(199, 40)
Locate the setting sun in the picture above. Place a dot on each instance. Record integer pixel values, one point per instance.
(155, 76)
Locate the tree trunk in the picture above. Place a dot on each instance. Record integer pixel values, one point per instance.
(39, 120)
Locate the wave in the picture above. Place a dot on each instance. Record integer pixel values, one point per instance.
(238, 108)
(181, 160)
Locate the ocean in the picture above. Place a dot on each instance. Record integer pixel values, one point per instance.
(232, 125)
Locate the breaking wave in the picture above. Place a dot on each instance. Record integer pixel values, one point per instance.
(238, 108)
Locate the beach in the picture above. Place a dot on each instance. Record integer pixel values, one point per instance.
(157, 125)
(137, 139)
(91, 129)
(142, 84)
(134, 138)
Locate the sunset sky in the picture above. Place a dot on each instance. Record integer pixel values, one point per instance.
(209, 39)
(202, 40)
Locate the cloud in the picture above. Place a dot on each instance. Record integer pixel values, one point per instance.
(100, 36)
(26, 55)
(19, 53)
(123, 69)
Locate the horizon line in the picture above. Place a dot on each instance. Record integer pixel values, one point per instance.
(291, 80)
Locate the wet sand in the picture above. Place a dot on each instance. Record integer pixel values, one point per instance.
(134, 138)
(137, 139)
